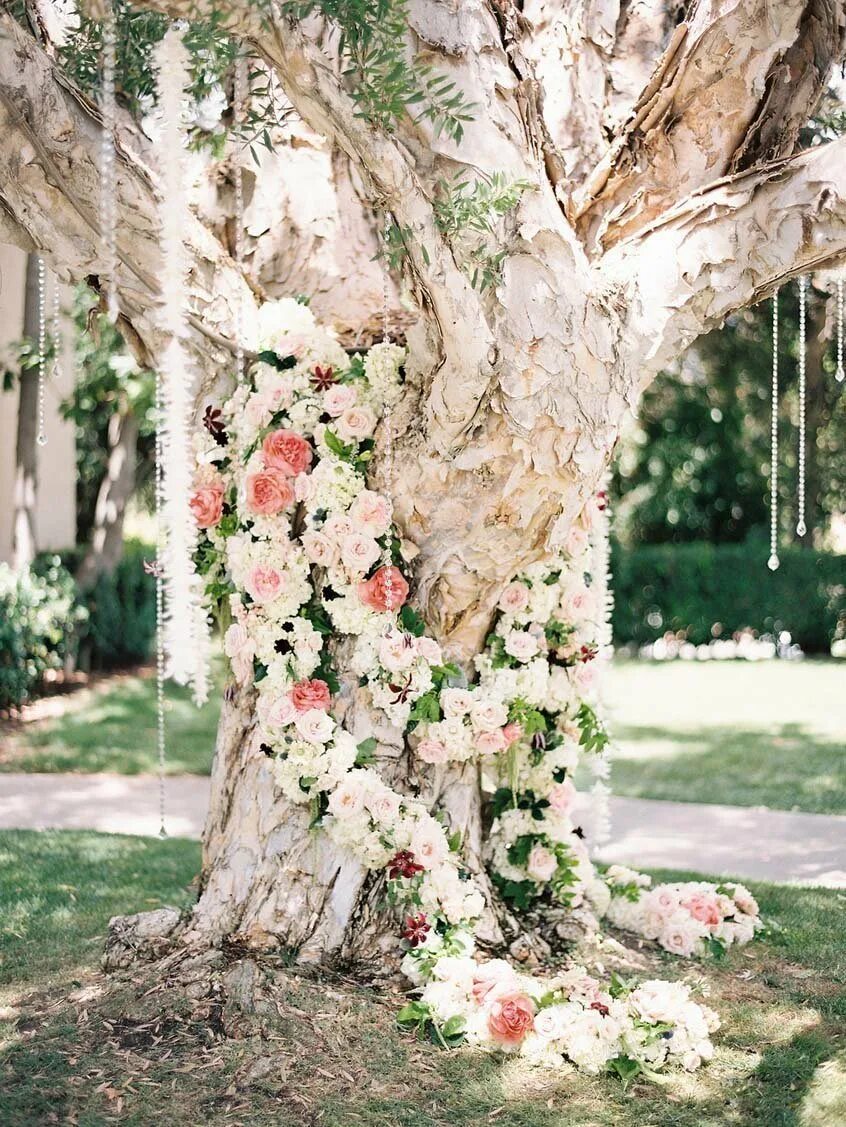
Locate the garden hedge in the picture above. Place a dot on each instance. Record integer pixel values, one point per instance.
(711, 590)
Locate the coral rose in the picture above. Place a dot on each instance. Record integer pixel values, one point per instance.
(512, 1016)
(287, 451)
(207, 505)
(310, 694)
(269, 492)
(386, 590)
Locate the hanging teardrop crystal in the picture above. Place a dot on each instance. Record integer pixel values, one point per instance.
(801, 527)
(773, 561)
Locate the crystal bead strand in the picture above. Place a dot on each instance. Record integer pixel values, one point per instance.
(238, 173)
(42, 349)
(773, 561)
(600, 765)
(56, 328)
(840, 372)
(801, 527)
(160, 639)
(387, 424)
(108, 203)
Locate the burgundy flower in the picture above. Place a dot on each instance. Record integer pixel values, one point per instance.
(601, 1008)
(213, 422)
(416, 929)
(402, 692)
(403, 865)
(602, 500)
(587, 653)
(322, 379)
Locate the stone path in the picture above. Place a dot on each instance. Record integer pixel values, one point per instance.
(745, 842)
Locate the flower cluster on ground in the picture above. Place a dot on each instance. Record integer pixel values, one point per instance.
(297, 550)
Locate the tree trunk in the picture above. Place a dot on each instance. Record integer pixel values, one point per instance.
(115, 492)
(26, 446)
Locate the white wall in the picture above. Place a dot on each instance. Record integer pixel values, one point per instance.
(55, 516)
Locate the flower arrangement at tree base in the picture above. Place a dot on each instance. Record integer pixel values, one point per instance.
(296, 550)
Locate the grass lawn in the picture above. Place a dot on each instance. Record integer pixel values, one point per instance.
(743, 733)
(138, 1048)
(112, 727)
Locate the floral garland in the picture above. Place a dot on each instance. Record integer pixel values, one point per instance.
(296, 549)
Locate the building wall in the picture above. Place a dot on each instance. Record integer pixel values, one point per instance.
(55, 516)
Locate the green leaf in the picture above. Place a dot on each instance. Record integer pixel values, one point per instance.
(280, 363)
(365, 751)
(412, 621)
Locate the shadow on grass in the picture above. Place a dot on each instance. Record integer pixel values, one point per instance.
(785, 769)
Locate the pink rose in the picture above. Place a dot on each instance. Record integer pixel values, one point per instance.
(207, 505)
(338, 525)
(577, 541)
(386, 590)
(275, 712)
(371, 512)
(432, 751)
(338, 399)
(512, 1016)
(258, 409)
(491, 978)
(263, 583)
(514, 599)
(287, 451)
(269, 492)
(310, 694)
(489, 743)
(512, 732)
(319, 548)
(430, 651)
(703, 907)
(303, 487)
(562, 796)
(355, 423)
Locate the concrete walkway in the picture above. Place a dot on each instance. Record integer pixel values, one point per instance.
(745, 842)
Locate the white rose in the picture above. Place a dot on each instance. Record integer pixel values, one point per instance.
(356, 423)
(542, 863)
(319, 548)
(397, 651)
(316, 726)
(338, 399)
(347, 799)
(487, 715)
(521, 645)
(456, 702)
(359, 552)
(337, 526)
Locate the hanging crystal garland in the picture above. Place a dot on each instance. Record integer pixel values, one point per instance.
(160, 624)
(186, 628)
(108, 200)
(801, 527)
(240, 90)
(773, 561)
(839, 372)
(42, 348)
(56, 329)
(387, 421)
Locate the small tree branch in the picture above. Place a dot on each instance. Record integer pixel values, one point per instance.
(728, 246)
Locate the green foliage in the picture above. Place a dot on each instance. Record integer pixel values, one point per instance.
(464, 209)
(39, 621)
(711, 590)
(384, 82)
(108, 380)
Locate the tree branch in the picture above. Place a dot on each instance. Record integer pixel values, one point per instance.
(49, 185)
(728, 246)
(755, 67)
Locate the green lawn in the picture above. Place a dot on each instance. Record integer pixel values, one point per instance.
(113, 728)
(138, 1048)
(742, 733)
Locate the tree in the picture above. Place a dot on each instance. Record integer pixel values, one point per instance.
(573, 192)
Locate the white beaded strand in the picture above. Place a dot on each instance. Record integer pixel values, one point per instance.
(773, 561)
(801, 527)
(840, 372)
(108, 184)
(599, 828)
(239, 99)
(56, 328)
(160, 623)
(387, 425)
(42, 348)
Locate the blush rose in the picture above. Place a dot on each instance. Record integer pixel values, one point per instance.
(287, 451)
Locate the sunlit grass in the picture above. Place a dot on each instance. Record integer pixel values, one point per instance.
(745, 734)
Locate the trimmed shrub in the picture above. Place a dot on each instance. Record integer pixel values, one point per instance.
(40, 624)
(703, 591)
